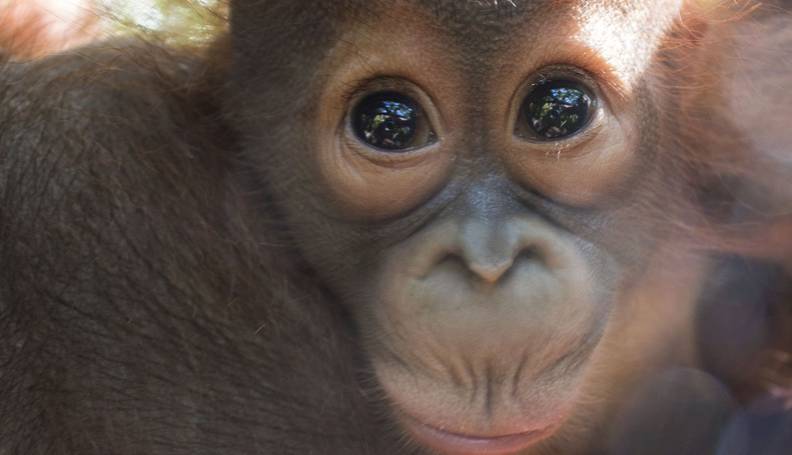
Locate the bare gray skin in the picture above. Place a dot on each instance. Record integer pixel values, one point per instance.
(201, 255)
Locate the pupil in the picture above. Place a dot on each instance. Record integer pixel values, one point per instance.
(387, 121)
(557, 109)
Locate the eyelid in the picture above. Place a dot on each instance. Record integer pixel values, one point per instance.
(358, 91)
(562, 71)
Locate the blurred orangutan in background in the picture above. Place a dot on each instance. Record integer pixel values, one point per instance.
(32, 28)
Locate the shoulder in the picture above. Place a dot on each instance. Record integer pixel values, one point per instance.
(117, 101)
(128, 85)
(121, 122)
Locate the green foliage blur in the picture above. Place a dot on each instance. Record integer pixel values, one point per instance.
(180, 22)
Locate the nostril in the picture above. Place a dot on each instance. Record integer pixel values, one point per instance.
(490, 272)
(490, 249)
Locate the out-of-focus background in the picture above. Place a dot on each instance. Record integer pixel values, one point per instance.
(31, 28)
(188, 21)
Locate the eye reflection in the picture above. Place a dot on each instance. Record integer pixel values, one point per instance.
(390, 121)
(556, 109)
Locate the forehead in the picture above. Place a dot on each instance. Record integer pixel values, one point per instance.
(474, 18)
(624, 34)
(485, 16)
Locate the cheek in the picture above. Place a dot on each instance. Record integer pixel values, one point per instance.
(365, 189)
(580, 171)
(584, 178)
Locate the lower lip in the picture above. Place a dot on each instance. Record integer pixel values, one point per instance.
(458, 444)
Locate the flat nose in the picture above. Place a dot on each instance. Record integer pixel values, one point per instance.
(489, 250)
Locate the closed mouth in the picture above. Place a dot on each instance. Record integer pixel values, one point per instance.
(462, 444)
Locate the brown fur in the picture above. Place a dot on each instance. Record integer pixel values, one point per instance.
(153, 298)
